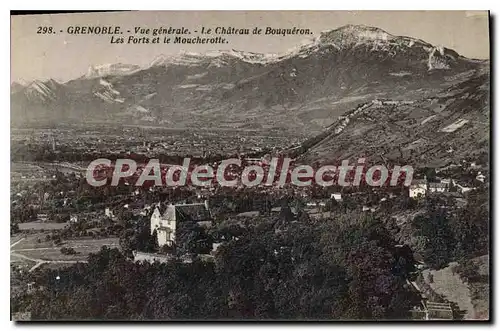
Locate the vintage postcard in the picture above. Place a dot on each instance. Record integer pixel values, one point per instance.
(250, 165)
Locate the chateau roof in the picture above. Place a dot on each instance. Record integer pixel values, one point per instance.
(194, 211)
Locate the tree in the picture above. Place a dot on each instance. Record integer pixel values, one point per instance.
(14, 228)
(152, 243)
(192, 238)
(68, 251)
(348, 267)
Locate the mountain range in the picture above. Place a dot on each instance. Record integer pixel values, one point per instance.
(310, 89)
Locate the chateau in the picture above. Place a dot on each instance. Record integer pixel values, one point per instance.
(166, 223)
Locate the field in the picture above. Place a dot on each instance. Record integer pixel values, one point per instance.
(28, 172)
(472, 298)
(448, 284)
(37, 226)
(31, 250)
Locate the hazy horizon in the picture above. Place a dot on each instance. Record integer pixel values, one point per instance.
(64, 57)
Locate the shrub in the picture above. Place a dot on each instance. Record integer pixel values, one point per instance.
(68, 251)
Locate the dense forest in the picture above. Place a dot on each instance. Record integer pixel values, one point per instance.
(273, 270)
(270, 267)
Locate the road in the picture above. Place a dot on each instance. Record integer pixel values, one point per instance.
(17, 242)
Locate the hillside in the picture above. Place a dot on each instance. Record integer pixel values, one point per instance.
(433, 131)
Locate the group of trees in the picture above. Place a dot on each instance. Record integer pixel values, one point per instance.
(453, 234)
(137, 236)
(68, 251)
(348, 268)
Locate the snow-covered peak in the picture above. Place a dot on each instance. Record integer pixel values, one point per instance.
(342, 38)
(376, 39)
(111, 69)
(183, 58)
(438, 59)
(354, 34)
(216, 58)
(252, 57)
(345, 36)
(44, 90)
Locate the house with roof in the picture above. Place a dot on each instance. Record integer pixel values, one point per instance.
(108, 212)
(336, 196)
(166, 223)
(438, 187)
(42, 217)
(418, 188)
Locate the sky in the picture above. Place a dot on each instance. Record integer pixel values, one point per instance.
(63, 57)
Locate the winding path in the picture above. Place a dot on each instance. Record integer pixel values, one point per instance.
(39, 262)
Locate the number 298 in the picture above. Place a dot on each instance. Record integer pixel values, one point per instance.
(44, 30)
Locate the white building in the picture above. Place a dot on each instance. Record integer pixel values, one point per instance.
(480, 177)
(336, 196)
(42, 217)
(438, 187)
(109, 213)
(447, 181)
(166, 223)
(418, 188)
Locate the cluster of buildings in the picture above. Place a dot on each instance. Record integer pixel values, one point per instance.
(165, 220)
(422, 187)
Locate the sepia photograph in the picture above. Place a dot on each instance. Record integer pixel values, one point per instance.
(250, 166)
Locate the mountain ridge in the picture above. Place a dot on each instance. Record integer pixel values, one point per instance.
(347, 35)
(304, 90)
